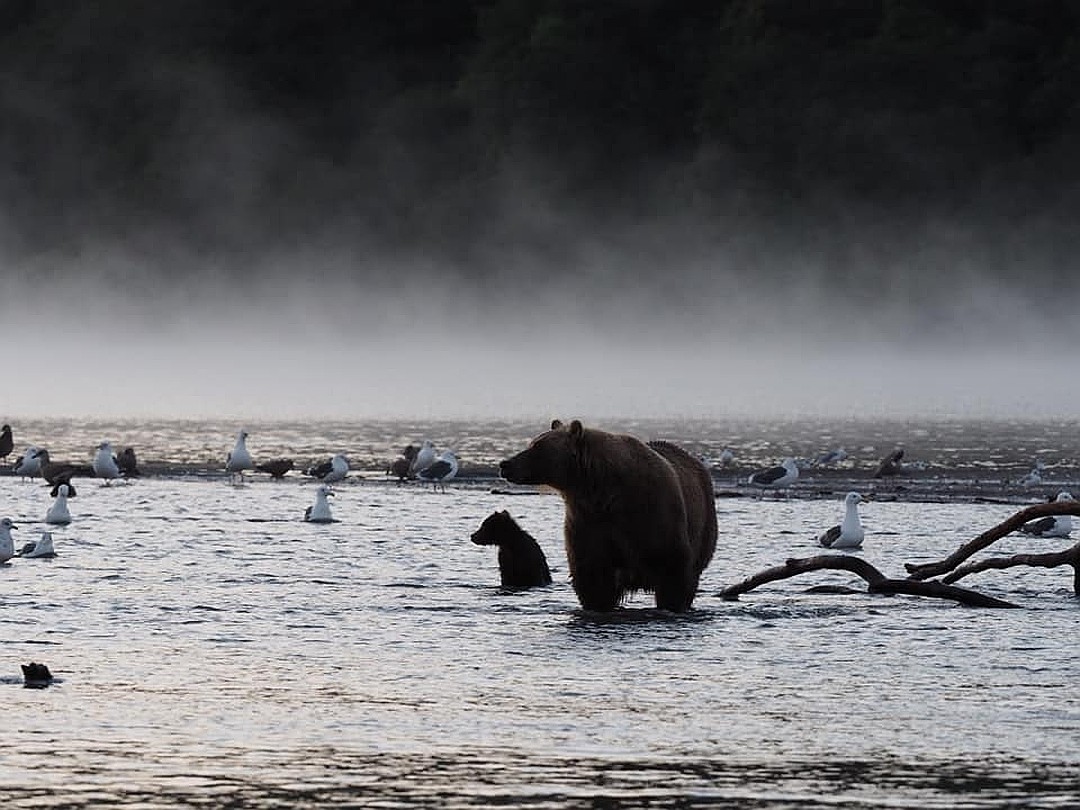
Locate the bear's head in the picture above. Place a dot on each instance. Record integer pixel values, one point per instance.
(497, 528)
(551, 458)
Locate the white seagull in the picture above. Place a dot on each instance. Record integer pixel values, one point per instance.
(319, 512)
(425, 457)
(1051, 525)
(777, 477)
(830, 457)
(849, 534)
(440, 471)
(7, 544)
(1033, 478)
(58, 514)
(105, 465)
(39, 548)
(726, 457)
(28, 465)
(332, 471)
(239, 459)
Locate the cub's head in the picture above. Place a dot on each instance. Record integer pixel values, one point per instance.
(497, 528)
(550, 458)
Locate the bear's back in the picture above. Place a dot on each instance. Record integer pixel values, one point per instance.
(699, 495)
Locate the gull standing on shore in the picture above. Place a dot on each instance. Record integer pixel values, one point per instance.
(105, 465)
(239, 459)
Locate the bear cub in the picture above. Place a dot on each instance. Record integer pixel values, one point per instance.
(521, 560)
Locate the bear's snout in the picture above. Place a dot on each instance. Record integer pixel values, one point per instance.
(507, 469)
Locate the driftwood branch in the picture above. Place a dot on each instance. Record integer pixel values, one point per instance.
(991, 536)
(1070, 556)
(877, 582)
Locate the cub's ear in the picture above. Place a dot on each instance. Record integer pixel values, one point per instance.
(576, 429)
(555, 424)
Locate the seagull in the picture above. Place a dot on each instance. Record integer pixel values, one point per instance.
(849, 534)
(7, 544)
(58, 514)
(830, 457)
(726, 456)
(7, 443)
(239, 459)
(28, 465)
(440, 471)
(39, 548)
(402, 465)
(777, 477)
(105, 465)
(1052, 525)
(425, 457)
(319, 512)
(276, 467)
(891, 464)
(128, 464)
(1033, 478)
(331, 471)
(60, 472)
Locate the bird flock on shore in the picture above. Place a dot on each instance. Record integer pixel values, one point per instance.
(423, 464)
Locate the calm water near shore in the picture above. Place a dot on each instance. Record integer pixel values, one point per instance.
(212, 649)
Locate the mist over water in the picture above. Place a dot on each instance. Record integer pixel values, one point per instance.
(346, 336)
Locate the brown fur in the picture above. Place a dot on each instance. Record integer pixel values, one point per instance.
(638, 516)
(522, 563)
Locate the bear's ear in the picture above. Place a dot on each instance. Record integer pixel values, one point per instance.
(576, 429)
(555, 424)
(505, 513)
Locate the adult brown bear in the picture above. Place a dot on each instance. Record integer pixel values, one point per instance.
(638, 516)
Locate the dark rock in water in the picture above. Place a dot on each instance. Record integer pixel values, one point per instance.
(36, 676)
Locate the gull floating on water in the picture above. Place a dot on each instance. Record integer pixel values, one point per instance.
(239, 459)
(726, 457)
(7, 543)
(319, 512)
(39, 548)
(849, 534)
(105, 465)
(58, 514)
(440, 471)
(331, 471)
(1051, 525)
(783, 475)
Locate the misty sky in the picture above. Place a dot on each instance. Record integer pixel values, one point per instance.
(227, 295)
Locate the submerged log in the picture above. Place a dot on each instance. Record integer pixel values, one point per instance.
(989, 537)
(877, 582)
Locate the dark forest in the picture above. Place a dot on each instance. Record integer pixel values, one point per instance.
(404, 124)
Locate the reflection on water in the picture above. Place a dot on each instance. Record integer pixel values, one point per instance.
(215, 650)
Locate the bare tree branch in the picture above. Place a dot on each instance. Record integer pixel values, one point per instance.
(1069, 556)
(877, 582)
(990, 536)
